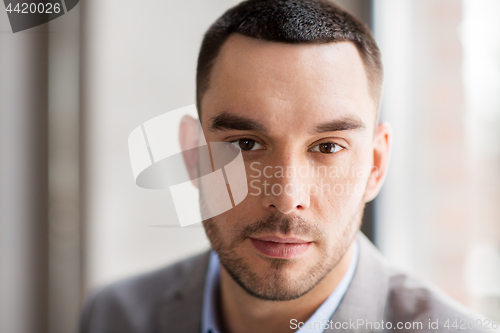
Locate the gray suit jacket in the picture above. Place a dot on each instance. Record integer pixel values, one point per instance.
(170, 300)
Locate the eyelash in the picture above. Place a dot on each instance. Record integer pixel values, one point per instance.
(337, 149)
(236, 142)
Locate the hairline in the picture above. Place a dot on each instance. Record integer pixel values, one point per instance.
(375, 88)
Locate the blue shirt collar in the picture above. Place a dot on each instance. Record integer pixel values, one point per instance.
(210, 316)
(315, 324)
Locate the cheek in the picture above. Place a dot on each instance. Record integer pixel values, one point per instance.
(343, 184)
(231, 219)
(333, 203)
(341, 191)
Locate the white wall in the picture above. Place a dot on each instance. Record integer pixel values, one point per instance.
(139, 62)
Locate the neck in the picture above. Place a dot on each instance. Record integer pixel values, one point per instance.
(244, 313)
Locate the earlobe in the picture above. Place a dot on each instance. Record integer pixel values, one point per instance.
(381, 155)
(189, 136)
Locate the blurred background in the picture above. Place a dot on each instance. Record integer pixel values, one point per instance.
(71, 91)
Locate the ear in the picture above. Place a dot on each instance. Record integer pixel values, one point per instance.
(189, 136)
(381, 153)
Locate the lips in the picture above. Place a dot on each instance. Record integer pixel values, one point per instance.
(278, 247)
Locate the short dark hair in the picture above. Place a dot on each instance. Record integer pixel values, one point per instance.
(291, 22)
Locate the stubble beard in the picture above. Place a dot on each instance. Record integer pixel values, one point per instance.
(276, 284)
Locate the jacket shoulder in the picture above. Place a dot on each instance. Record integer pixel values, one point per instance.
(426, 309)
(133, 304)
(381, 298)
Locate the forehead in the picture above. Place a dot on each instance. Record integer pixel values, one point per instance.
(288, 82)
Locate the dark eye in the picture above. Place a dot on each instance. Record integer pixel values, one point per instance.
(247, 144)
(327, 148)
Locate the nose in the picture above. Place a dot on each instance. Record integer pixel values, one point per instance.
(285, 189)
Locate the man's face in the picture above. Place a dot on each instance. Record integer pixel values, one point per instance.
(304, 118)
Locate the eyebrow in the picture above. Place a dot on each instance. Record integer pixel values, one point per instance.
(343, 124)
(226, 121)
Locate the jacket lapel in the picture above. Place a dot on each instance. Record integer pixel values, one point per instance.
(180, 310)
